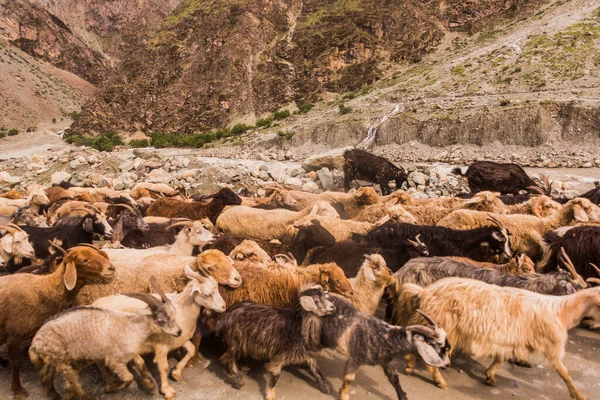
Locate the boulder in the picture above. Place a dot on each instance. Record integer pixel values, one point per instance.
(326, 178)
(296, 182)
(5, 177)
(310, 187)
(333, 159)
(59, 176)
(158, 175)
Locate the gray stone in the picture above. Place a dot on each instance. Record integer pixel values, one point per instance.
(158, 175)
(59, 176)
(127, 165)
(310, 187)
(264, 175)
(74, 164)
(185, 161)
(419, 178)
(8, 178)
(587, 165)
(333, 159)
(293, 182)
(326, 178)
(123, 181)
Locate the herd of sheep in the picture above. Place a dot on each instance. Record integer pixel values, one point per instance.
(100, 276)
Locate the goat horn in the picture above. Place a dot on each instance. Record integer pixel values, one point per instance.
(596, 268)
(93, 207)
(423, 330)
(428, 318)
(182, 223)
(8, 228)
(566, 260)
(158, 290)
(536, 189)
(57, 247)
(88, 245)
(495, 221)
(284, 256)
(594, 280)
(127, 206)
(418, 239)
(82, 209)
(146, 298)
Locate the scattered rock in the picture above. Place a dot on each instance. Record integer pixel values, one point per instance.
(5, 177)
(310, 187)
(158, 175)
(296, 182)
(59, 176)
(326, 178)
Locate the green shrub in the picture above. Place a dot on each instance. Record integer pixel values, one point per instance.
(345, 110)
(13, 132)
(2, 133)
(458, 70)
(238, 129)
(135, 143)
(286, 134)
(80, 140)
(74, 115)
(53, 120)
(282, 114)
(264, 123)
(304, 108)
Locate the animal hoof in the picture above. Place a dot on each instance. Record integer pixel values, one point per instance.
(238, 384)
(442, 385)
(170, 393)
(194, 361)
(522, 363)
(174, 375)
(490, 382)
(149, 385)
(21, 393)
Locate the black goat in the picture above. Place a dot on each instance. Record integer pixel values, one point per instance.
(442, 241)
(349, 254)
(581, 243)
(496, 177)
(360, 164)
(157, 234)
(367, 340)
(277, 336)
(593, 195)
(67, 232)
(307, 238)
(128, 220)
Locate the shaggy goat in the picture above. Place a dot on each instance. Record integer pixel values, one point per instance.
(104, 336)
(348, 205)
(195, 210)
(503, 178)
(519, 264)
(360, 164)
(160, 232)
(581, 243)
(369, 283)
(276, 336)
(500, 322)
(27, 300)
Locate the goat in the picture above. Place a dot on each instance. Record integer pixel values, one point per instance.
(425, 271)
(35, 200)
(95, 334)
(366, 340)
(195, 210)
(200, 292)
(129, 220)
(254, 223)
(348, 205)
(443, 241)
(280, 198)
(194, 234)
(14, 246)
(25, 216)
(360, 164)
(27, 300)
(503, 178)
(526, 230)
(370, 282)
(581, 243)
(285, 337)
(519, 264)
(500, 322)
(161, 231)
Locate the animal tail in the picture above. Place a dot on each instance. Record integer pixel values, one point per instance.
(457, 171)
(35, 357)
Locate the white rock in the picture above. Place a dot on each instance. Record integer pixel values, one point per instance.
(158, 175)
(326, 178)
(310, 187)
(38, 159)
(185, 161)
(137, 162)
(74, 164)
(59, 176)
(293, 182)
(126, 165)
(8, 178)
(190, 173)
(123, 181)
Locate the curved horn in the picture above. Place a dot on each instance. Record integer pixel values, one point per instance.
(418, 239)
(596, 268)
(8, 228)
(158, 290)
(57, 247)
(496, 222)
(284, 256)
(182, 223)
(428, 318)
(83, 209)
(127, 206)
(566, 260)
(423, 330)
(594, 280)
(152, 302)
(536, 189)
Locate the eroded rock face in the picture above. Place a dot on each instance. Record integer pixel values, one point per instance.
(215, 61)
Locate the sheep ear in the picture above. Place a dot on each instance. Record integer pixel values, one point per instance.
(70, 276)
(238, 256)
(314, 210)
(308, 303)
(429, 355)
(7, 243)
(580, 214)
(368, 272)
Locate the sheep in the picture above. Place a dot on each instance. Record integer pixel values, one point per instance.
(364, 339)
(56, 193)
(360, 164)
(500, 322)
(152, 189)
(443, 241)
(14, 246)
(280, 198)
(348, 254)
(251, 251)
(160, 232)
(375, 212)
(168, 270)
(348, 205)
(194, 234)
(285, 337)
(200, 292)
(195, 210)
(254, 223)
(343, 229)
(425, 271)
(11, 194)
(105, 336)
(503, 178)
(526, 230)
(369, 283)
(427, 215)
(27, 300)
(540, 206)
(519, 264)
(482, 201)
(35, 200)
(581, 243)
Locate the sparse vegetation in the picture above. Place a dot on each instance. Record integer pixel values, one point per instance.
(344, 109)
(104, 142)
(282, 114)
(135, 143)
(264, 122)
(53, 120)
(13, 132)
(458, 70)
(303, 108)
(286, 134)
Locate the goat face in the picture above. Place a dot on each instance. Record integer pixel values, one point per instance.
(431, 343)
(544, 206)
(216, 264)
(324, 209)
(16, 244)
(250, 250)
(367, 196)
(283, 199)
(228, 197)
(100, 225)
(134, 221)
(90, 263)
(380, 272)
(499, 243)
(316, 301)
(333, 279)
(198, 235)
(205, 291)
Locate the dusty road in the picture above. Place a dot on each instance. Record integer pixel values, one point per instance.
(464, 378)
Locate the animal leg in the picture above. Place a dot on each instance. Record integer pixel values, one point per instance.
(124, 375)
(437, 377)
(230, 362)
(72, 382)
(385, 187)
(178, 370)
(323, 384)
(347, 179)
(349, 376)
(273, 372)
(490, 373)
(564, 374)
(162, 362)
(394, 378)
(411, 362)
(14, 354)
(47, 377)
(107, 377)
(196, 359)
(147, 381)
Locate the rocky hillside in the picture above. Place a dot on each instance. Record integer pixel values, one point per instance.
(218, 61)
